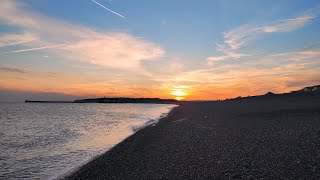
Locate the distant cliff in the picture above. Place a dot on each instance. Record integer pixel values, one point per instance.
(127, 100)
(308, 89)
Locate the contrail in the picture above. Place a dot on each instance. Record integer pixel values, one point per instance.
(16, 43)
(108, 9)
(32, 49)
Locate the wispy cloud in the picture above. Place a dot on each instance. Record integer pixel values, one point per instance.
(239, 37)
(214, 59)
(298, 18)
(118, 14)
(110, 49)
(299, 55)
(286, 25)
(14, 70)
(236, 39)
(115, 50)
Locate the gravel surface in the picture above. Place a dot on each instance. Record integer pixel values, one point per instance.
(249, 139)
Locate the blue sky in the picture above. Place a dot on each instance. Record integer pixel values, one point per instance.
(206, 49)
(196, 25)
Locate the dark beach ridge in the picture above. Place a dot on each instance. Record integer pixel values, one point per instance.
(270, 138)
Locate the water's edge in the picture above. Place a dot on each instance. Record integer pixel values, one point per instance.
(135, 129)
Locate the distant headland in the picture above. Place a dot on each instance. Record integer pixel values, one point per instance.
(113, 100)
(127, 100)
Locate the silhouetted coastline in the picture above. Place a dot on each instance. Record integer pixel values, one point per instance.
(127, 100)
(307, 91)
(112, 100)
(31, 101)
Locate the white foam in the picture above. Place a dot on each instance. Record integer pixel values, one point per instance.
(153, 122)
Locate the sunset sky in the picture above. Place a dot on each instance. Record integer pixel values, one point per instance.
(190, 49)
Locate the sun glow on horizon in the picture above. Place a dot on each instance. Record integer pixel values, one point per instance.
(179, 94)
(179, 98)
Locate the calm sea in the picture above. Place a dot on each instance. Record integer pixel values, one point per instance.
(44, 141)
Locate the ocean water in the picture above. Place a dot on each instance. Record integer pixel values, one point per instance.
(44, 141)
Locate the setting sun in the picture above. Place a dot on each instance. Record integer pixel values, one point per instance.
(179, 94)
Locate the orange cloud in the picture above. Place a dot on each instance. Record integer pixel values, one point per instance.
(114, 50)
